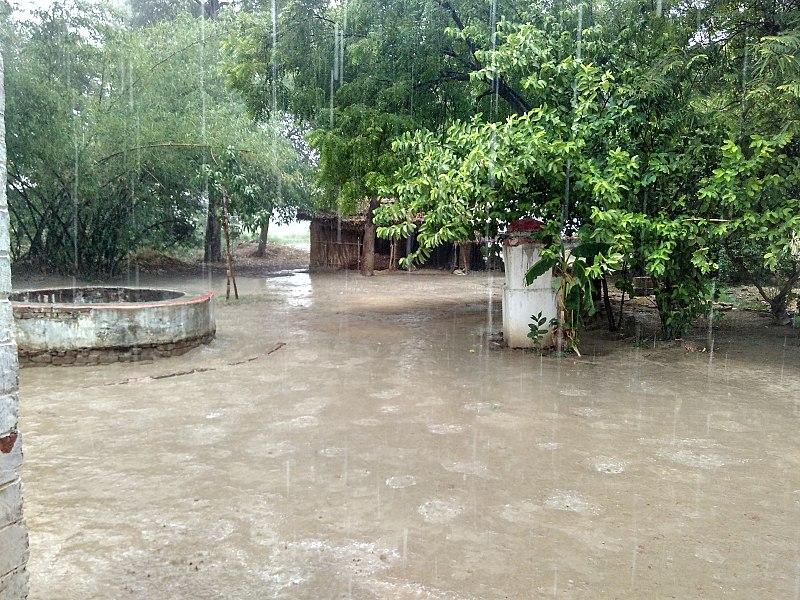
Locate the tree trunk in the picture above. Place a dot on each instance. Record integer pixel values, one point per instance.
(393, 250)
(779, 309)
(262, 240)
(213, 243)
(368, 249)
(465, 254)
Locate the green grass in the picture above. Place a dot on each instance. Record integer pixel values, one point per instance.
(726, 296)
(290, 239)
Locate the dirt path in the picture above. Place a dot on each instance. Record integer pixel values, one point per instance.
(387, 451)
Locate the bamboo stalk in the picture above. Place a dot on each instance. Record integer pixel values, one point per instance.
(230, 272)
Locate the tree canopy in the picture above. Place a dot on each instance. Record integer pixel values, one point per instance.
(109, 129)
(661, 133)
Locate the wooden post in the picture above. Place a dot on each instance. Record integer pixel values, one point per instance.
(230, 273)
(368, 263)
(465, 251)
(393, 255)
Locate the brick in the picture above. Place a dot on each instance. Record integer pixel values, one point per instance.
(13, 547)
(9, 364)
(6, 316)
(14, 585)
(10, 503)
(10, 457)
(5, 265)
(9, 413)
(4, 239)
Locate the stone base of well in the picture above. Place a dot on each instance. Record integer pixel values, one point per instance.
(104, 325)
(106, 356)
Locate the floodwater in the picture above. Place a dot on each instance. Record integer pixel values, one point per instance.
(386, 450)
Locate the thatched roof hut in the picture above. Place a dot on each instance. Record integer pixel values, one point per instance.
(337, 242)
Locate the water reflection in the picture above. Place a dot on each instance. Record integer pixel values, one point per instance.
(295, 287)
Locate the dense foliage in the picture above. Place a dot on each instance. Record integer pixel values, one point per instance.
(363, 72)
(663, 134)
(109, 130)
(632, 146)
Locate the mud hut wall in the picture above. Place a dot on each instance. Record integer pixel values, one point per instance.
(334, 248)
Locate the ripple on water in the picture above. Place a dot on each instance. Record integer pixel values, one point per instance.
(386, 394)
(728, 425)
(440, 511)
(482, 407)
(689, 458)
(279, 449)
(297, 423)
(548, 445)
(444, 428)
(332, 451)
(520, 512)
(293, 563)
(572, 501)
(586, 412)
(574, 393)
(401, 481)
(305, 356)
(312, 406)
(467, 468)
(606, 464)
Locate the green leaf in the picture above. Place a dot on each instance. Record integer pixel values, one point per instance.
(542, 266)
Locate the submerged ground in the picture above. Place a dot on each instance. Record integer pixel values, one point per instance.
(349, 437)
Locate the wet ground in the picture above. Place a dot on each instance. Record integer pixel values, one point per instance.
(360, 438)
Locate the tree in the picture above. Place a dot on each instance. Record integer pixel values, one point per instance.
(131, 117)
(757, 89)
(612, 149)
(361, 73)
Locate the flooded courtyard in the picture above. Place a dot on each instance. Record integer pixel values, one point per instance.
(349, 437)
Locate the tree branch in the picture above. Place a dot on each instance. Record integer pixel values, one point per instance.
(504, 90)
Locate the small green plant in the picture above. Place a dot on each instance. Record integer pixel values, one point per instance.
(796, 322)
(538, 331)
(574, 292)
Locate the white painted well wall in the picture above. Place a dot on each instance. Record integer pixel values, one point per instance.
(520, 302)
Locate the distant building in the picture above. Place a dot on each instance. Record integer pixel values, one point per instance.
(337, 242)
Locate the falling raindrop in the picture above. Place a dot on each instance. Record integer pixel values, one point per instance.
(710, 338)
(275, 117)
(494, 96)
(405, 547)
(203, 137)
(76, 264)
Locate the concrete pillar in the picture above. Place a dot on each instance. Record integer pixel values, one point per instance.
(520, 302)
(13, 535)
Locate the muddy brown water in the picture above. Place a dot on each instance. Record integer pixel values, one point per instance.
(387, 451)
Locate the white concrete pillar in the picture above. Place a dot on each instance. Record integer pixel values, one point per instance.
(13, 535)
(521, 302)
